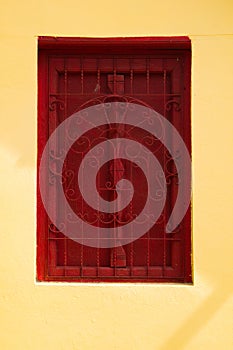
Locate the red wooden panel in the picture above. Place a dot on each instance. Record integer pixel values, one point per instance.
(151, 71)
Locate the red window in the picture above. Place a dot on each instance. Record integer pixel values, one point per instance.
(75, 75)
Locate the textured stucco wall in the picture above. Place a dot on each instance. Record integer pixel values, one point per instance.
(40, 316)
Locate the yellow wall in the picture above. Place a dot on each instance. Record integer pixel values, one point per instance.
(78, 316)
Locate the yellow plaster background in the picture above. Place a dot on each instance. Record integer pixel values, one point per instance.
(138, 317)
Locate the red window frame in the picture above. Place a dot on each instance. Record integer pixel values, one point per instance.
(50, 46)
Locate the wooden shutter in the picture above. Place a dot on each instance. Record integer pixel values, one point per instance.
(74, 74)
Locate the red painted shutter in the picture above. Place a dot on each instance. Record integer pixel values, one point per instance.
(72, 77)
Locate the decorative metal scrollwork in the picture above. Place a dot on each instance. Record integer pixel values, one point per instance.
(57, 103)
(173, 103)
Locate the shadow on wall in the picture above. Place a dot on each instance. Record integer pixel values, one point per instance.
(198, 319)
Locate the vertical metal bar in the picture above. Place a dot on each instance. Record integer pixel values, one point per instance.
(98, 77)
(81, 253)
(115, 209)
(164, 162)
(114, 249)
(148, 76)
(52, 245)
(131, 77)
(82, 75)
(131, 214)
(98, 232)
(65, 116)
(148, 92)
(148, 253)
(148, 233)
(97, 90)
(98, 87)
(114, 79)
